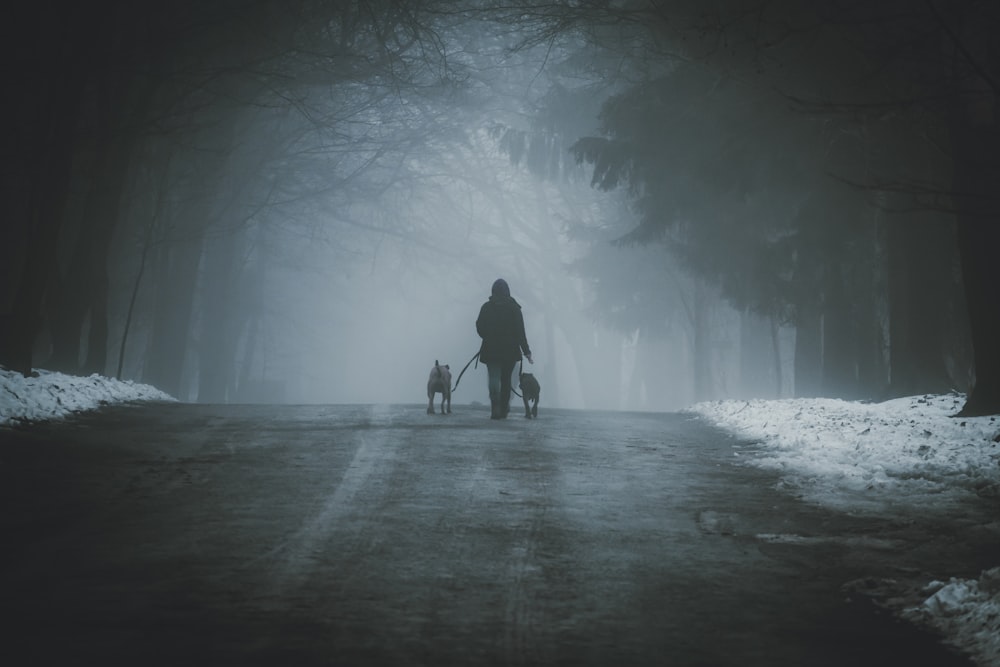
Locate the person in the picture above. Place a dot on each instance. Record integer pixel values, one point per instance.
(501, 326)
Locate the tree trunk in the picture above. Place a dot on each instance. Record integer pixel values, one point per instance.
(131, 307)
(808, 351)
(96, 360)
(244, 384)
(779, 370)
(42, 117)
(870, 357)
(85, 288)
(978, 241)
(550, 368)
(975, 140)
(919, 273)
(64, 46)
(217, 338)
(187, 255)
(840, 364)
(176, 276)
(701, 345)
(65, 323)
(756, 363)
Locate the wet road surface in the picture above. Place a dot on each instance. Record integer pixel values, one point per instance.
(380, 535)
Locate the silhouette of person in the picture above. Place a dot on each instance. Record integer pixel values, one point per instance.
(501, 326)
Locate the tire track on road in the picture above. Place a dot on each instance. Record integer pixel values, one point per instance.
(520, 622)
(525, 631)
(299, 555)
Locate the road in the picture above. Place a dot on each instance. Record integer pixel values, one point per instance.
(171, 534)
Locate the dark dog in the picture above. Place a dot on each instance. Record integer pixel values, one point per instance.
(439, 381)
(529, 392)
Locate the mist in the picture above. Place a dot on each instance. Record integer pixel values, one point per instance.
(307, 202)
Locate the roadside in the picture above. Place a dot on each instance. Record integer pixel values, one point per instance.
(893, 461)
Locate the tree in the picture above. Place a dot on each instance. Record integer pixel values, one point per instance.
(868, 66)
(174, 75)
(54, 48)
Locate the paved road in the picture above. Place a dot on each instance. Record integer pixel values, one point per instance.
(318, 535)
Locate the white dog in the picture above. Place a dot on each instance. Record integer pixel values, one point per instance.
(439, 381)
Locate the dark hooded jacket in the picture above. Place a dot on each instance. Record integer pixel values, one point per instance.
(501, 326)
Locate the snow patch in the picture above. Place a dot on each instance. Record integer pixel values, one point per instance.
(55, 395)
(967, 612)
(875, 458)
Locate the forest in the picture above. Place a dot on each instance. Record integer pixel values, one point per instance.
(242, 201)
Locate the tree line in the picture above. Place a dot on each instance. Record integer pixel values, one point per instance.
(827, 168)
(830, 166)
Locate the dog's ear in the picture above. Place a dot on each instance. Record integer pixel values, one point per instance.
(436, 363)
(447, 366)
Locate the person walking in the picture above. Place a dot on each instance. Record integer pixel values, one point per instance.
(501, 326)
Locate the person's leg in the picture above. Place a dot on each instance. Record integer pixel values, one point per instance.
(505, 375)
(493, 384)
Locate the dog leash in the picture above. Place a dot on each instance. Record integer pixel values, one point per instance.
(474, 357)
(520, 370)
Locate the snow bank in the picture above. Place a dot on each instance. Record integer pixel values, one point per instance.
(967, 612)
(55, 395)
(869, 456)
(864, 457)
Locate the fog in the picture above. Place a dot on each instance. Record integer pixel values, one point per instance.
(366, 324)
(308, 202)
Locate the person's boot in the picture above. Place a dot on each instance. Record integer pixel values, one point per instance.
(494, 409)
